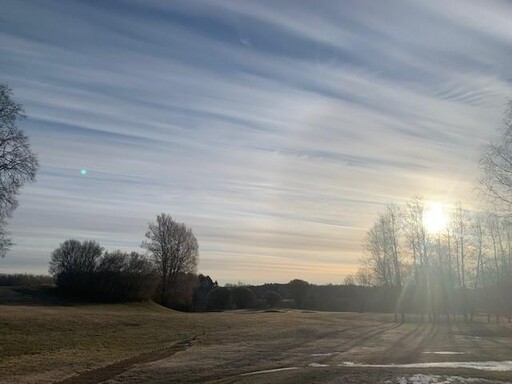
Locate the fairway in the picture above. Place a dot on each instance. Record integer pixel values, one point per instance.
(146, 343)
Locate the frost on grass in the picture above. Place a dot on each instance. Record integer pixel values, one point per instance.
(498, 366)
(269, 371)
(444, 353)
(420, 378)
(317, 365)
(324, 354)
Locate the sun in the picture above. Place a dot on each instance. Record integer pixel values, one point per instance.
(435, 218)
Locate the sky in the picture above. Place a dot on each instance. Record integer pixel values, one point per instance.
(277, 130)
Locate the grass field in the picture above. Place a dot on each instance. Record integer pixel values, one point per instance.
(141, 343)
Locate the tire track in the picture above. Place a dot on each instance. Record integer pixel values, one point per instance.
(110, 371)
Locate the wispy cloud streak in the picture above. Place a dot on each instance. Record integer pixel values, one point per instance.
(277, 130)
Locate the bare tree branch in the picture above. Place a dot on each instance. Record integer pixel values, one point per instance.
(18, 164)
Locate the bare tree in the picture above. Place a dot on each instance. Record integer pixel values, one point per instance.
(174, 249)
(419, 240)
(349, 280)
(365, 277)
(391, 220)
(496, 165)
(18, 164)
(460, 227)
(74, 256)
(383, 255)
(375, 258)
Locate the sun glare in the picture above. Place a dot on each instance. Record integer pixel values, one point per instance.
(435, 218)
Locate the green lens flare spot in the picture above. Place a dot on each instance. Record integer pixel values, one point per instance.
(83, 171)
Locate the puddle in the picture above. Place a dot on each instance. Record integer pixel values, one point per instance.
(316, 365)
(500, 366)
(323, 354)
(269, 371)
(420, 378)
(445, 353)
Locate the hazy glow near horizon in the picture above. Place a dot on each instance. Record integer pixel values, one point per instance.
(278, 130)
(435, 217)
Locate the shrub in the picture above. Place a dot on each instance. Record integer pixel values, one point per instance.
(219, 298)
(272, 298)
(181, 296)
(244, 297)
(124, 277)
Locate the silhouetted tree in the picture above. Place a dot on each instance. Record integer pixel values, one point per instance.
(122, 276)
(272, 298)
(244, 297)
(73, 265)
(298, 291)
(181, 297)
(18, 164)
(204, 285)
(174, 249)
(74, 256)
(219, 298)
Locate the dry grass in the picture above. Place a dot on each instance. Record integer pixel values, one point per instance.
(46, 344)
(36, 339)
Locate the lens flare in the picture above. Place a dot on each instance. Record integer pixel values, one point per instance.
(83, 171)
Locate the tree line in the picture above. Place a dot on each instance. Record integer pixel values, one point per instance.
(166, 272)
(462, 269)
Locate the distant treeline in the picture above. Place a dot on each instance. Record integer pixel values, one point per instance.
(201, 293)
(24, 279)
(433, 304)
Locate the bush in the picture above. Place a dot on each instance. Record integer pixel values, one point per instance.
(272, 298)
(82, 271)
(244, 297)
(124, 277)
(181, 295)
(219, 299)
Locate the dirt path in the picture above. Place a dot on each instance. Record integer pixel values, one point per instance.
(99, 375)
